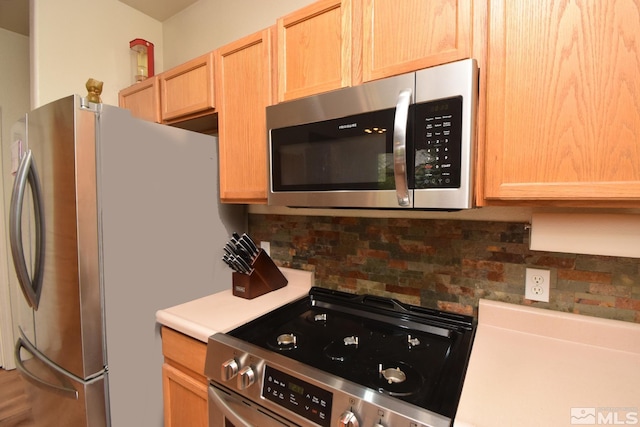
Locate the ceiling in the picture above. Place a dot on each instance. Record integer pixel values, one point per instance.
(14, 14)
(158, 9)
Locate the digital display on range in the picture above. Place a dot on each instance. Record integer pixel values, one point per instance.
(296, 388)
(306, 400)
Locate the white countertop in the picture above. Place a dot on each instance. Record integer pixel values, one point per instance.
(537, 367)
(222, 312)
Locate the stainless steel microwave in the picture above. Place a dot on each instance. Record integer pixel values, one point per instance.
(404, 142)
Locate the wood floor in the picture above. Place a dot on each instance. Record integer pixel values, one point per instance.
(14, 405)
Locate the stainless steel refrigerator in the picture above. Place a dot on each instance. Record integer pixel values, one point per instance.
(111, 219)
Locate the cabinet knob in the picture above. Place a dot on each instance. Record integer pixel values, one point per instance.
(229, 369)
(246, 377)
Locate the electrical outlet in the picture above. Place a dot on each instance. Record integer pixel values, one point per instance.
(536, 284)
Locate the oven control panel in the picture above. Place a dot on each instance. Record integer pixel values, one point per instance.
(307, 400)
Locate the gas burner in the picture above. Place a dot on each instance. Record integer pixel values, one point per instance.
(286, 341)
(392, 375)
(322, 317)
(317, 318)
(342, 350)
(413, 342)
(351, 341)
(397, 379)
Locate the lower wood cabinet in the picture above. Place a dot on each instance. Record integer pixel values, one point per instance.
(184, 385)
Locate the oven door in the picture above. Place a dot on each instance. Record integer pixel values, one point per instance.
(229, 409)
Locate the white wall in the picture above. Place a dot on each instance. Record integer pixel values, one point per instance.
(14, 78)
(14, 102)
(209, 24)
(74, 40)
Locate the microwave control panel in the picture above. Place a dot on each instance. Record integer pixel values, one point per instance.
(438, 136)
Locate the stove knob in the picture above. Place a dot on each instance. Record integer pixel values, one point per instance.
(229, 369)
(246, 377)
(348, 419)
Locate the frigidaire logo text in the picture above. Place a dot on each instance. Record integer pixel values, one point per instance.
(348, 126)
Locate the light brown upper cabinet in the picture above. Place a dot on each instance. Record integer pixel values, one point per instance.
(186, 91)
(314, 49)
(243, 90)
(563, 103)
(332, 44)
(142, 99)
(403, 36)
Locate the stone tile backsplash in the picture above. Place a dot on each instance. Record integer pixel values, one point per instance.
(446, 264)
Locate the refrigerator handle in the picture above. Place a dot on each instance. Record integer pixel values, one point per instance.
(27, 174)
(68, 392)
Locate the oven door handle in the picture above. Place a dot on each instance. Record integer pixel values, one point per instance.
(400, 147)
(227, 412)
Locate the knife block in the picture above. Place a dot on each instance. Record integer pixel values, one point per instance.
(265, 277)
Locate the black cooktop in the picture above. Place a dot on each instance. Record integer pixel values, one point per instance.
(413, 353)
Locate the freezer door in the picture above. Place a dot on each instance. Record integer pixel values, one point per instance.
(68, 317)
(58, 398)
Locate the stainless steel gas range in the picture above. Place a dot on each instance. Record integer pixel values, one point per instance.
(333, 358)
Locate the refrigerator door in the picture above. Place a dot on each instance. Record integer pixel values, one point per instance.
(68, 316)
(132, 225)
(20, 313)
(57, 398)
(162, 233)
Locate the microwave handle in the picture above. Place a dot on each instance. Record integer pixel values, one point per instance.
(400, 147)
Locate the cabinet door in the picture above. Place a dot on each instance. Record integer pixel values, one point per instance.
(142, 99)
(562, 110)
(408, 35)
(186, 91)
(185, 399)
(243, 79)
(184, 386)
(314, 49)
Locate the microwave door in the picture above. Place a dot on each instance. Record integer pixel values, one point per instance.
(336, 149)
